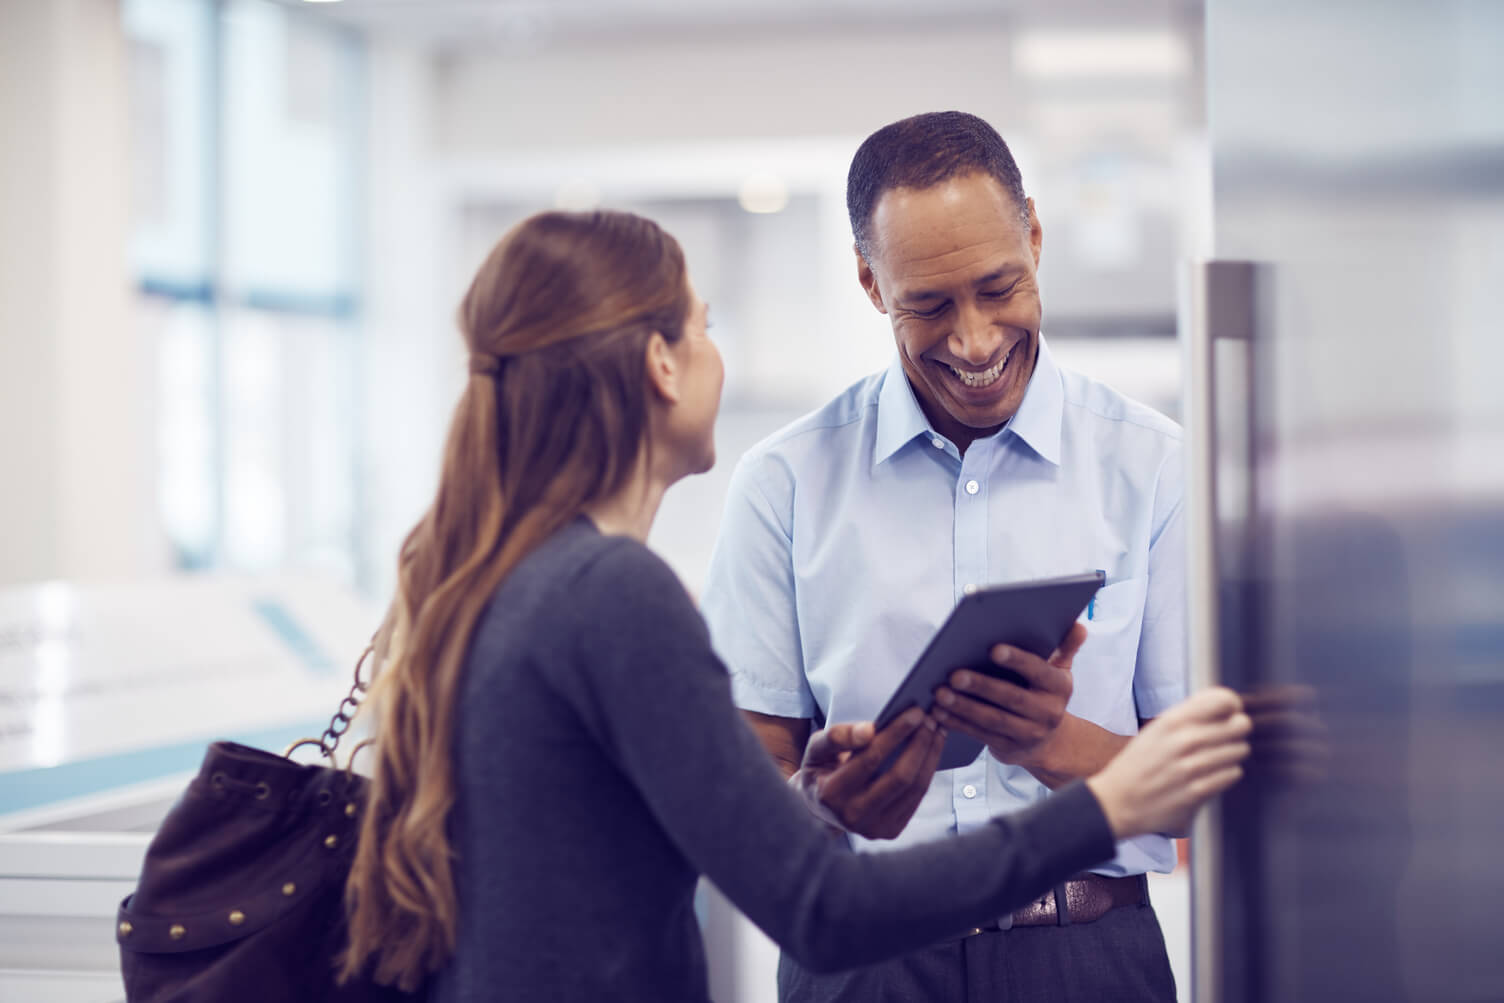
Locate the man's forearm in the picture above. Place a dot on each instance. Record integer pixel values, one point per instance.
(1077, 749)
(783, 737)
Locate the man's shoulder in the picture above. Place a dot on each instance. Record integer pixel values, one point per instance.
(1115, 413)
(835, 425)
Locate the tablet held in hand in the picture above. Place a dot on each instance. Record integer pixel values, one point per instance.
(1034, 616)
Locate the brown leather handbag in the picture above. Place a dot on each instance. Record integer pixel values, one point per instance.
(241, 895)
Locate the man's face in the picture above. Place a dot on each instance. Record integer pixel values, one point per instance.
(953, 267)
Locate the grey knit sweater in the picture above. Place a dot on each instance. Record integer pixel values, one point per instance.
(601, 768)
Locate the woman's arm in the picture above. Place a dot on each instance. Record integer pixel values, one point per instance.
(655, 695)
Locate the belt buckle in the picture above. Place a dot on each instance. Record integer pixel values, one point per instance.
(1002, 923)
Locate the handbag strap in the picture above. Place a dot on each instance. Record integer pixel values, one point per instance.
(340, 722)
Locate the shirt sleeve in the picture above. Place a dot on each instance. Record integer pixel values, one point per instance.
(749, 600)
(649, 688)
(1160, 675)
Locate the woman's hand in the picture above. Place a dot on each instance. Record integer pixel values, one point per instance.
(1181, 759)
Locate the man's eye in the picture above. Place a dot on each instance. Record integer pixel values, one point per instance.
(930, 314)
(998, 294)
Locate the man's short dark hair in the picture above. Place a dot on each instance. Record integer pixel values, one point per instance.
(921, 152)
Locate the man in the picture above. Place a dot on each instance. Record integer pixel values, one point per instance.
(973, 459)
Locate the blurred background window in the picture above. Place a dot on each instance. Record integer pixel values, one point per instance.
(247, 181)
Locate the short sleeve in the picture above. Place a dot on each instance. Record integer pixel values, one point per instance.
(749, 598)
(1160, 676)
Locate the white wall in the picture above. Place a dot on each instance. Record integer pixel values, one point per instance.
(75, 405)
(726, 86)
(28, 542)
(412, 357)
(1108, 158)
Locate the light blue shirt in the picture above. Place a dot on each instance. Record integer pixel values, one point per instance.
(850, 535)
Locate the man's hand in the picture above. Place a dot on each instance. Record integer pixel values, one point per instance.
(840, 776)
(1016, 722)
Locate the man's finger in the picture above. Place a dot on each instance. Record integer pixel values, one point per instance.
(986, 721)
(907, 773)
(897, 814)
(855, 773)
(1064, 655)
(1037, 672)
(1025, 701)
(826, 745)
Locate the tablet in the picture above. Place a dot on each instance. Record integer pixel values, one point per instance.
(1035, 616)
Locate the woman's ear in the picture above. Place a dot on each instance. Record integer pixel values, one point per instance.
(663, 369)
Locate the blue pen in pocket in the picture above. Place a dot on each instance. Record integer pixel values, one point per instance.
(1091, 604)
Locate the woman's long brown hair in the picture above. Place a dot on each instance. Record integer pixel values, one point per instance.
(554, 416)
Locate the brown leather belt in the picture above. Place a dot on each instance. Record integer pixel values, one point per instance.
(1085, 898)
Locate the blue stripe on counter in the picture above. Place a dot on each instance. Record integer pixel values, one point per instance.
(302, 644)
(43, 785)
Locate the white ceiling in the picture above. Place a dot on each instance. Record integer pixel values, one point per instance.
(530, 23)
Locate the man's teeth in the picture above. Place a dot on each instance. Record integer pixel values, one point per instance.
(986, 377)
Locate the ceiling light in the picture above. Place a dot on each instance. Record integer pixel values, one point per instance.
(1059, 55)
(763, 193)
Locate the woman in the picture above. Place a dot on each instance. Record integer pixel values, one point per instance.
(559, 756)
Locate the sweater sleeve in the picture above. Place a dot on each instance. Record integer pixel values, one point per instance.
(648, 686)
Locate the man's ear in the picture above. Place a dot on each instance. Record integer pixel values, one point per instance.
(868, 280)
(663, 369)
(1036, 232)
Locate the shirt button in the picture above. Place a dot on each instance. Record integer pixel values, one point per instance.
(969, 790)
(972, 487)
(969, 589)
(937, 442)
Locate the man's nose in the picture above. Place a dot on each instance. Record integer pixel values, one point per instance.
(975, 338)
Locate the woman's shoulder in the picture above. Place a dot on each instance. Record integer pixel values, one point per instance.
(598, 593)
(631, 573)
(595, 568)
(583, 587)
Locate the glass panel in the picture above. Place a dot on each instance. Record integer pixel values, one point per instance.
(1356, 153)
(288, 106)
(186, 427)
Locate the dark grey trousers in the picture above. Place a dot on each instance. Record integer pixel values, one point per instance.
(1118, 959)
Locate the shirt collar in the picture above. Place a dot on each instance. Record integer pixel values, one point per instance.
(1037, 423)
(899, 419)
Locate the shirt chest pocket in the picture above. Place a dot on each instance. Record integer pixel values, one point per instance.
(1114, 619)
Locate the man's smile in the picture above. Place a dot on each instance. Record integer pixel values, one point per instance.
(979, 380)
